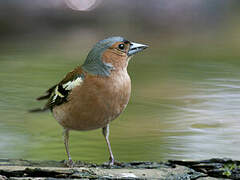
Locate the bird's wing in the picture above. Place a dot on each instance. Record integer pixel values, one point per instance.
(58, 93)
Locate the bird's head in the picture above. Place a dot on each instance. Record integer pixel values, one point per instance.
(110, 54)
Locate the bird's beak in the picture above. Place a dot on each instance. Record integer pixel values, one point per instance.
(135, 48)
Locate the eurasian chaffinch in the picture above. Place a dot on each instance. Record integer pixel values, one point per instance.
(95, 93)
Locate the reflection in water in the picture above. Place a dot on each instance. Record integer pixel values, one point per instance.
(179, 109)
(211, 117)
(11, 142)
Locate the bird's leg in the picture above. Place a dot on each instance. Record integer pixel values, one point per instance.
(105, 132)
(66, 138)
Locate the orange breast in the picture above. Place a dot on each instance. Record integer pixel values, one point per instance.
(96, 102)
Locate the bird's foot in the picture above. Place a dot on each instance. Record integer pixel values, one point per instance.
(111, 161)
(69, 163)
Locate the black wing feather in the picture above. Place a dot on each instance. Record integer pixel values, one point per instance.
(57, 94)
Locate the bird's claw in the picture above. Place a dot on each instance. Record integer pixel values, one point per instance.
(112, 162)
(69, 163)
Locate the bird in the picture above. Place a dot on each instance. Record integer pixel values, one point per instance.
(94, 93)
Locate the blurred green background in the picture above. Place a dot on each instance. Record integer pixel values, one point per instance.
(185, 87)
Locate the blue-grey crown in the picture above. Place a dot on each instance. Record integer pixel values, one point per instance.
(93, 63)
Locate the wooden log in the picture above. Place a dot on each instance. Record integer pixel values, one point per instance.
(173, 169)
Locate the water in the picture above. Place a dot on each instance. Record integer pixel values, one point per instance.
(183, 106)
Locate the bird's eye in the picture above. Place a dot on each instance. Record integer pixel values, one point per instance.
(121, 46)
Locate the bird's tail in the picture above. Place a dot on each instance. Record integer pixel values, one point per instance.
(37, 110)
(44, 97)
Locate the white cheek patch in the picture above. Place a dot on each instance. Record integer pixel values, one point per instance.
(72, 84)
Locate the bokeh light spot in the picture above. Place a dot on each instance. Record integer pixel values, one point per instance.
(82, 5)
